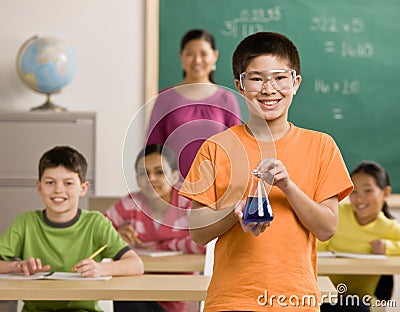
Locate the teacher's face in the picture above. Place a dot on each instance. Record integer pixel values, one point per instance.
(198, 60)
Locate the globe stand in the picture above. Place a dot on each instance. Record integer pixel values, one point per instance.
(49, 106)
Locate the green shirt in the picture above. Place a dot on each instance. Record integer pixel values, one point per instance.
(61, 245)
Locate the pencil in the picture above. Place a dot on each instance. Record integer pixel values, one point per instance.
(74, 269)
(98, 251)
(129, 232)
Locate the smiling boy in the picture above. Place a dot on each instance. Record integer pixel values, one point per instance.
(306, 175)
(62, 237)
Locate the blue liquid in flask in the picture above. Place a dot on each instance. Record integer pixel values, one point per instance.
(251, 210)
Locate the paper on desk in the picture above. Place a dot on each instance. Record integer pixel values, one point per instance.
(52, 276)
(157, 253)
(331, 254)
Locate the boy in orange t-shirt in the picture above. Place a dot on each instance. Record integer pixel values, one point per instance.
(266, 266)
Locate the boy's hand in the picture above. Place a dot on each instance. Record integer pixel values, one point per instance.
(274, 172)
(255, 228)
(31, 266)
(88, 268)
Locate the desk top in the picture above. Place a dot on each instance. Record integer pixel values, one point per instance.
(146, 287)
(174, 264)
(389, 265)
(195, 263)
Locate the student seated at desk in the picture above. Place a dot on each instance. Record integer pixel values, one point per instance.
(156, 217)
(365, 226)
(63, 237)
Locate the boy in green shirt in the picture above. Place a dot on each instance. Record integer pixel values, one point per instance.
(62, 237)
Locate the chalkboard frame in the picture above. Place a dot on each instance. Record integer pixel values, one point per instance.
(152, 23)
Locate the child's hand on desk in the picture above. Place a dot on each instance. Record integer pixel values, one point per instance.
(378, 246)
(88, 268)
(31, 266)
(255, 228)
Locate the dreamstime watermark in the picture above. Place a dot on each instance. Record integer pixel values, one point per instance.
(340, 298)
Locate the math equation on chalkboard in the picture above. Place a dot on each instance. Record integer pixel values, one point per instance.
(332, 24)
(251, 21)
(344, 87)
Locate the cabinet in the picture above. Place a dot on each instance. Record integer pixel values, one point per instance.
(24, 137)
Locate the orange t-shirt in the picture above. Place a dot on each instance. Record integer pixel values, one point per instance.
(250, 273)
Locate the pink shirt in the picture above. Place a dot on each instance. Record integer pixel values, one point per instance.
(183, 125)
(170, 234)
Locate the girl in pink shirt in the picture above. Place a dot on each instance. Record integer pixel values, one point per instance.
(156, 217)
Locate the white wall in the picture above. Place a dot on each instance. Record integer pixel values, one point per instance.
(107, 37)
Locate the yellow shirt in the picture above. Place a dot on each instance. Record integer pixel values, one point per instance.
(282, 260)
(355, 238)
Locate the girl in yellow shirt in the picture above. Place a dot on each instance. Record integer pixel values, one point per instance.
(365, 226)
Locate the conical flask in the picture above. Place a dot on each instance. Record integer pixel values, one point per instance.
(258, 208)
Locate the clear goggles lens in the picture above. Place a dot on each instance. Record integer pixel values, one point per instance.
(281, 79)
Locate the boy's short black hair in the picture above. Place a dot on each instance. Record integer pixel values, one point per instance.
(264, 43)
(64, 156)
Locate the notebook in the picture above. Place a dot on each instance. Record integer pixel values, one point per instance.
(157, 253)
(52, 276)
(331, 254)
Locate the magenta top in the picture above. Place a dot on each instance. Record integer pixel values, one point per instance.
(183, 124)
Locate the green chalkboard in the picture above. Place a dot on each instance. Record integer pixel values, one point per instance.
(350, 63)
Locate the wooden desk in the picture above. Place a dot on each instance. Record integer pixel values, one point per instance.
(174, 264)
(195, 263)
(146, 287)
(390, 265)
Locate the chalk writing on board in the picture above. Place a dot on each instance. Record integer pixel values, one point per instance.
(350, 49)
(251, 21)
(333, 25)
(362, 50)
(337, 113)
(345, 87)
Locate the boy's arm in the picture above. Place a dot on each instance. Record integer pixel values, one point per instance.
(319, 218)
(10, 266)
(129, 264)
(207, 223)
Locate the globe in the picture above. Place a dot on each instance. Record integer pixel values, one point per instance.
(46, 65)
